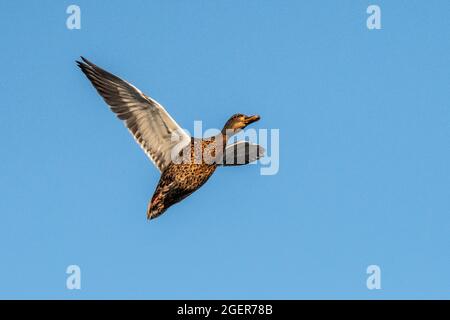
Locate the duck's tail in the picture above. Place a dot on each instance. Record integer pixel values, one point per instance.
(156, 206)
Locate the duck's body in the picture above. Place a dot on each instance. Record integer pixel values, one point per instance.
(187, 169)
(180, 180)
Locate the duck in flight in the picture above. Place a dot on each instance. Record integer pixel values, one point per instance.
(185, 163)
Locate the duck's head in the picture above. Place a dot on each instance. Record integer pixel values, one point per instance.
(238, 122)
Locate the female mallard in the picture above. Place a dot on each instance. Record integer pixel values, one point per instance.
(185, 163)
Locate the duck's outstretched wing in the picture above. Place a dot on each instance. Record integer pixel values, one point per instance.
(240, 153)
(149, 123)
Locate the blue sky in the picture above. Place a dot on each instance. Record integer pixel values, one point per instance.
(364, 150)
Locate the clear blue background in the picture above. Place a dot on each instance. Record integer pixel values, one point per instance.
(364, 119)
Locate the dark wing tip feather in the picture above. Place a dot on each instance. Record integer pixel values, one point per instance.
(84, 61)
(83, 66)
(87, 61)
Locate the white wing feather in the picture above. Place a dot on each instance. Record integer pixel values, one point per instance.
(149, 123)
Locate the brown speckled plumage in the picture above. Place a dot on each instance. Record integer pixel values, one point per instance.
(179, 181)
